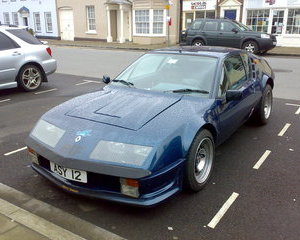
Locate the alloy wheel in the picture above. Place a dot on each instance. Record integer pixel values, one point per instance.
(203, 160)
(31, 78)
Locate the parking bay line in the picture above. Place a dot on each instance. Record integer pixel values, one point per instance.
(85, 82)
(46, 91)
(262, 159)
(5, 100)
(284, 129)
(216, 219)
(295, 105)
(15, 151)
(35, 223)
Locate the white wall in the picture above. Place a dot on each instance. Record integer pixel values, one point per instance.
(40, 6)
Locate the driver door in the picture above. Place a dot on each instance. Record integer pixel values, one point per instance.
(233, 113)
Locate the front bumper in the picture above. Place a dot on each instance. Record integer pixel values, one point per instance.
(267, 44)
(153, 189)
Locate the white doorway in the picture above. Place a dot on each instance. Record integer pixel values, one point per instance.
(66, 24)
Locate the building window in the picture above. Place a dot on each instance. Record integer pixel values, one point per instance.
(91, 18)
(15, 18)
(48, 20)
(258, 20)
(37, 22)
(6, 18)
(205, 14)
(142, 21)
(158, 21)
(293, 23)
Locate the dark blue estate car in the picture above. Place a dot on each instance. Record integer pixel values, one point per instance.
(153, 130)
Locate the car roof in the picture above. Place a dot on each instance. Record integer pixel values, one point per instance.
(5, 27)
(210, 51)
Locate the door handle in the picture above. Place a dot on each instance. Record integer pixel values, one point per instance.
(16, 53)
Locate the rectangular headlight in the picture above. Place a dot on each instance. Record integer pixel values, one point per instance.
(47, 133)
(121, 153)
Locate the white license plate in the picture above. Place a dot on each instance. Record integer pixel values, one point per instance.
(274, 43)
(68, 173)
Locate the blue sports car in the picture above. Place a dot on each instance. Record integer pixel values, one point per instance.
(152, 131)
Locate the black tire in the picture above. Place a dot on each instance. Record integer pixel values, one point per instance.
(250, 46)
(264, 109)
(30, 78)
(202, 149)
(198, 42)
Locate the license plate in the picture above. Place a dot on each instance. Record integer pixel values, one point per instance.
(274, 43)
(68, 173)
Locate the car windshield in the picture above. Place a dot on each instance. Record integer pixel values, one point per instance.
(184, 74)
(242, 27)
(25, 36)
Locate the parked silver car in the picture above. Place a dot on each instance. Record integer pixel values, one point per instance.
(25, 61)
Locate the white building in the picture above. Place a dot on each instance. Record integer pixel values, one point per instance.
(280, 17)
(39, 15)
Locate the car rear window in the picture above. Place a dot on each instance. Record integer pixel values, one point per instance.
(25, 36)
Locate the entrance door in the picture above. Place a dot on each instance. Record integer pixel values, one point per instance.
(277, 22)
(231, 14)
(25, 21)
(66, 24)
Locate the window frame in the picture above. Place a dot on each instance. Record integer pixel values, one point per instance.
(46, 22)
(13, 15)
(88, 19)
(293, 21)
(5, 17)
(35, 22)
(151, 23)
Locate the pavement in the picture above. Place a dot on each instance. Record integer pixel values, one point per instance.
(277, 51)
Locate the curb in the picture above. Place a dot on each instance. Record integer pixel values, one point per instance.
(149, 49)
(56, 216)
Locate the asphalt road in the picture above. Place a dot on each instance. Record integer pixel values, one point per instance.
(269, 197)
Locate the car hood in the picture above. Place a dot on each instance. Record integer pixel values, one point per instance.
(123, 108)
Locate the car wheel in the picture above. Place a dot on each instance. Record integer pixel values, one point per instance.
(198, 43)
(30, 78)
(250, 46)
(263, 112)
(200, 161)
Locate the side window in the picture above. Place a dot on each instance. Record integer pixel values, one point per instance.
(226, 27)
(224, 83)
(235, 71)
(6, 43)
(196, 25)
(210, 26)
(247, 64)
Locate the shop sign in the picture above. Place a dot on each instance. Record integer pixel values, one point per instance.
(198, 5)
(271, 2)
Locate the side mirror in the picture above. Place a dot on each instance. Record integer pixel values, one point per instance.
(106, 79)
(233, 95)
(235, 30)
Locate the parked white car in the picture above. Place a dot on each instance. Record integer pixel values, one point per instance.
(25, 61)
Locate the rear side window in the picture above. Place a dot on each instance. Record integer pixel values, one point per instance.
(25, 36)
(196, 25)
(210, 26)
(6, 43)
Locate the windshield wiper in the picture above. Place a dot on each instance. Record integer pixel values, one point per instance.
(188, 90)
(129, 84)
